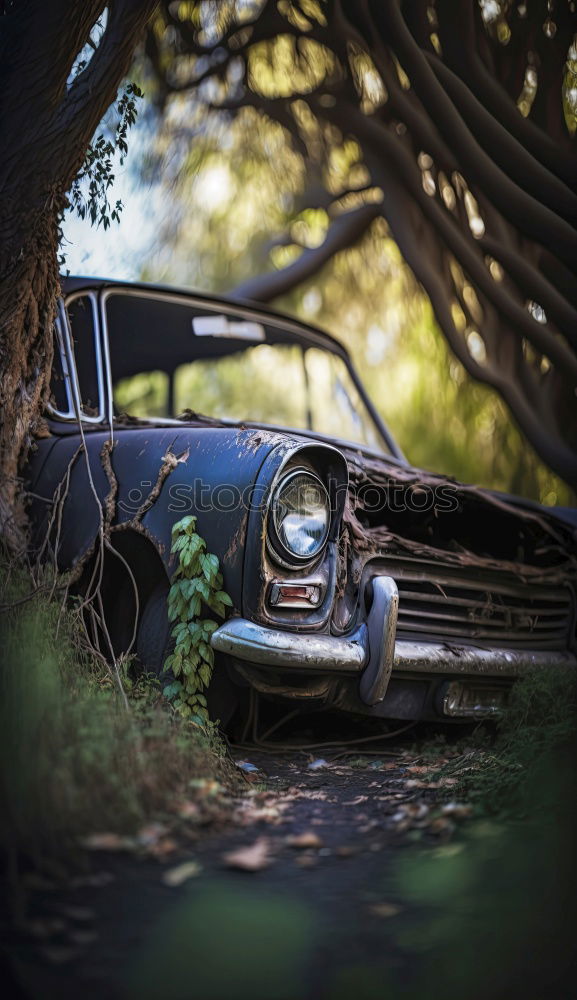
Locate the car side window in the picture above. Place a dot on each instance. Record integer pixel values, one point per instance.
(82, 313)
(146, 394)
(337, 408)
(61, 400)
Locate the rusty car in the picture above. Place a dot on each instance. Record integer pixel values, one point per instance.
(358, 583)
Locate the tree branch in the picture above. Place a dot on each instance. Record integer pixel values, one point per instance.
(342, 234)
(525, 212)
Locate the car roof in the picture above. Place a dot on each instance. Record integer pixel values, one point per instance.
(76, 283)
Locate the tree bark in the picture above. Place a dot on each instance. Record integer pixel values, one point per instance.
(45, 129)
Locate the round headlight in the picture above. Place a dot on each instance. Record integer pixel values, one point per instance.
(301, 515)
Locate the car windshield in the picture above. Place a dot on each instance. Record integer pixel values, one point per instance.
(170, 359)
(278, 385)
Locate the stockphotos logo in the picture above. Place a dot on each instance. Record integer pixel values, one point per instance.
(201, 497)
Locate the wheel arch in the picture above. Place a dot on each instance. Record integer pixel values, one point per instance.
(135, 564)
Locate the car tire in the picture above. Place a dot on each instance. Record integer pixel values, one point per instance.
(154, 644)
(153, 639)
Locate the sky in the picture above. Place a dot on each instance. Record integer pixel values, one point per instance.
(120, 251)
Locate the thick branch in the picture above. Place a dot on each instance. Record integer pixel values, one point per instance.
(372, 133)
(525, 212)
(520, 165)
(342, 234)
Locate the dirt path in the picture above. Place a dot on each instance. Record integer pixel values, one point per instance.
(353, 880)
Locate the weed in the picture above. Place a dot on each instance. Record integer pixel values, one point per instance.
(536, 726)
(73, 759)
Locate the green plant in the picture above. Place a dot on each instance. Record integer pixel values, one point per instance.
(537, 724)
(196, 583)
(73, 760)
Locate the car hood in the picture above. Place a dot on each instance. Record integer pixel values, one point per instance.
(393, 506)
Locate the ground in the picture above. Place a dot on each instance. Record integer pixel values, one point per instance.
(343, 876)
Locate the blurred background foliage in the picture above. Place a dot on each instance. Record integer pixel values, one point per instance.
(210, 202)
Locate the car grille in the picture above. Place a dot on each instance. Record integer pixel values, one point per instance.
(480, 607)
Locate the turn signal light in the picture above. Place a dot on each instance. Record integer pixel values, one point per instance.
(295, 595)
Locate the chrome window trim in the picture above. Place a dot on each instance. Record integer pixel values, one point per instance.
(66, 347)
(217, 308)
(107, 367)
(61, 331)
(391, 450)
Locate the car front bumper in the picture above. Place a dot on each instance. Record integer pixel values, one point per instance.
(373, 652)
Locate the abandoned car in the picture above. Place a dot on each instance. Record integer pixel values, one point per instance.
(357, 582)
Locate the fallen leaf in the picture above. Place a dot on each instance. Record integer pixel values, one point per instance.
(367, 827)
(306, 860)
(150, 834)
(176, 876)
(208, 786)
(316, 765)
(408, 815)
(457, 810)
(251, 858)
(416, 810)
(384, 909)
(108, 842)
(442, 827)
(346, 851)
(160, 848)
(357, 801)
(188, 809)
(308, 793)
(306, 839)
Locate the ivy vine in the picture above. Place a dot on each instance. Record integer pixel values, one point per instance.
(196, 584)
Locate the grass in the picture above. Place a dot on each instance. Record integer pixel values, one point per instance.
(73, 760)
(503, 774)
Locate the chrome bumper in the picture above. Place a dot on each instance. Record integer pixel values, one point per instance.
(372, 651)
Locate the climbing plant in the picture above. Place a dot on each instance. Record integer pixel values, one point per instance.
(196, 584)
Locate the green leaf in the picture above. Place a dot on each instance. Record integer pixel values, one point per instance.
(206, 652)
(209, 564)
(205, 674)
(172, 690)
(187, 524)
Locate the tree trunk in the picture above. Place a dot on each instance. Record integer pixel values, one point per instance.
(29, 287)
(46, 125)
